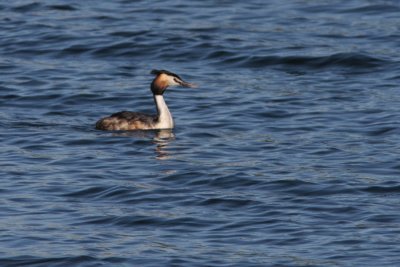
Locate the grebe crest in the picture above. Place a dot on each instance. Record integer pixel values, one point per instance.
(127, 120)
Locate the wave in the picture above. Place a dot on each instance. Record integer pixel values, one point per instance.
(350, 60)
(82, 260)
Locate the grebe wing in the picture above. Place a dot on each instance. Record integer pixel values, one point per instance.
(126, 120)
(129, 115)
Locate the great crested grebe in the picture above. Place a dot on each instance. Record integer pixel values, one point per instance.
(126, 120)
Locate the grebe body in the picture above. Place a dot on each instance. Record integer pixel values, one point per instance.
(127, 120)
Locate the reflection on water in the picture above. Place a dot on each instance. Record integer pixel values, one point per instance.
(162, 139)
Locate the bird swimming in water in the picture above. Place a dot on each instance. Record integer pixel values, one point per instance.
(127, 120)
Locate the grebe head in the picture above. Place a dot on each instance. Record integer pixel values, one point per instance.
(164, 79)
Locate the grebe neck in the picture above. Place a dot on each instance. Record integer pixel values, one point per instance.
(164, 117)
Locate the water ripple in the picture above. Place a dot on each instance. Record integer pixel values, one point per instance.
(286, 154)
(350, 60)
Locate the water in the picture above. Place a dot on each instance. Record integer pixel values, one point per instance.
(287, 154)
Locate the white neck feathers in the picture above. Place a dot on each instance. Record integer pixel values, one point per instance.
(165, 120)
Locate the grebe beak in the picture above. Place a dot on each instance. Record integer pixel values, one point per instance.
(186, 84)
(183, 83)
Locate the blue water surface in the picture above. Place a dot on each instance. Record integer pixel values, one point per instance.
(287, 153)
